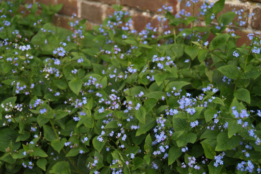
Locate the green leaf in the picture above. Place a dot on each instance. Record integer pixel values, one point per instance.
(243, 94)
(111, 124)
(132, 149)
(8, 135)
(174, 153)
(49, 133)
(208, 150)
(253, 73)
(10, 100)
(98, 116)
(156, 95)
(23, 137)
(180, 124)
(73, 152)
(218, 6)
(160, 77)
(149, 124)
(89, 104)
(202, 54)
(58, 144)
(177, 134)
(219, 41)
(192, 51)
(225, 143)
(61, 167)
(19, 154)
(138, 162)
(97, 144)
(230, 71)
(177, 84)
(214, 170)
(59, 114)
(196, 115)
(186, 138)
(60, 83)
(42, 163)
(147, 158)
(126, 170)
(239, 106)
(233, 128)
(150, 103)
(209, 114)
(210, 134)
(148, 144)
(75, 85)
(38, 152)
(226, 18)
(141, 114)
(218, 100)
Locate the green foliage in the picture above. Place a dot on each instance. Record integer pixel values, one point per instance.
(116, 100)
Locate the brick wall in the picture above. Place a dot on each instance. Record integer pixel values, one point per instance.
(145, 11)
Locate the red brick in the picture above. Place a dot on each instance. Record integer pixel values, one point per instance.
(91, 12)
(190, 9)
(89, 25)
(151, 5)
(256, 0)
(28, 1)
(243, 39)
(256, 19)
(109, 11)
(62, 21)
(46, 2)
(106, 1)
(140, 21)
(69, 7)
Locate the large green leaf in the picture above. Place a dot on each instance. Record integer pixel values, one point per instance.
(60, 83)
(230, 71)
(38, 152)
(192, 51)
(75, 85)
(209, 114)
(219, 41)
(243, 94)
(42, 163)
(225, 143)
(180, 124)
(233, 128)
(174, 153)
(208, 150)
(148, 144)
(213, 169)
(177, 84)
(9, 100)
(141, 114)
(218, 6)
(98, 145)
(226, 18)
(150, 103)
(58, 144)
(186, 138)
(61, 167)
(49, 134)
(8, 135)
(149, 124)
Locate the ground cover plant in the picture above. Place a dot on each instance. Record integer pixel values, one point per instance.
(114, 100)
